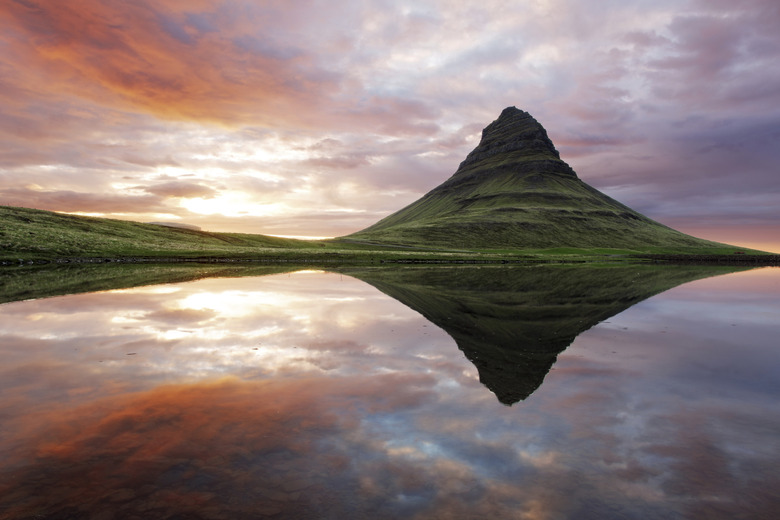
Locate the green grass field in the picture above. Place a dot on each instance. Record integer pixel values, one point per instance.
(29, 236)
(514, 193)
(44, 234)
(511, 200)
(510, 210)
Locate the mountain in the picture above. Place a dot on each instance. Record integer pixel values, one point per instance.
(513, 191)
(512, 323)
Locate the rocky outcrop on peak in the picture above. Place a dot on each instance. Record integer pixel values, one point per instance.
(513, 131)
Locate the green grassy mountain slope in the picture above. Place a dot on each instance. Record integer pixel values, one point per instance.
(513, 191)
(31, 233)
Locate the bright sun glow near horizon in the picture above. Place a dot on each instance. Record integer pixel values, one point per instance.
(319, 121)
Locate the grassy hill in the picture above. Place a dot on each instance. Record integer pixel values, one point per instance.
(511, 197)
(514, 192)
(30, 233)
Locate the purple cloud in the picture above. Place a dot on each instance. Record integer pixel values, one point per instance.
(670, 107)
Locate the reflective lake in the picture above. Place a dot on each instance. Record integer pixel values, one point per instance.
(539, 392)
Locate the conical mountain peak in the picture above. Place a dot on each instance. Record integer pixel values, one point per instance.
(516, 136)
(516, 126)
(513, 191)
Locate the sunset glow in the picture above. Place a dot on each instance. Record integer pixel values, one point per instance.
(318, 119)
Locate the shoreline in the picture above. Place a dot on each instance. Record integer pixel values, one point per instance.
(430, 258)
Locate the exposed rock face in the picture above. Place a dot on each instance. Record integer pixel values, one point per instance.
(514, 191)
(514, 132)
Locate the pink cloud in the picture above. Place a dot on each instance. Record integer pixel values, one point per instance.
(169, 60)
(180, 189)
(71, 201)
(233, 424)
(101, 90)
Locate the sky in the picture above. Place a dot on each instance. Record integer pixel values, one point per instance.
(318, 118)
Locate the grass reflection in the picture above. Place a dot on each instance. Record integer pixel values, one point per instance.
(314, 395)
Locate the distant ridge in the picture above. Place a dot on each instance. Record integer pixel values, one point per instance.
(513, 191)
(177, 225)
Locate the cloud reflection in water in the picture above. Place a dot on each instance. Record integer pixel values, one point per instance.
(314, 395)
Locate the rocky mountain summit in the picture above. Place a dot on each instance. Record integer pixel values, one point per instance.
(515, 134)
(514, 191)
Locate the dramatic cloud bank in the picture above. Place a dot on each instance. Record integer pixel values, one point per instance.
(312, 118)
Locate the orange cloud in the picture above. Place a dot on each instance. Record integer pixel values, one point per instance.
(180, 189)
(207, 61)
(229, 446)
(304, 448)
(81, 83)
(66, 200)
(147, 55)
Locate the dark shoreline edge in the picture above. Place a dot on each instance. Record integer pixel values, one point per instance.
(331, 259)
(736, 259)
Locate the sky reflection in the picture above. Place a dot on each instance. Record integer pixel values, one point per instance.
(314, 395)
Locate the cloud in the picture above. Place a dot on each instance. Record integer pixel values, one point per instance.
(180, 189)
(224, 431)
(166, 58)
(642, 96)
(150, 57)
(180, 317)
(709, 61)
(71, 201)
(403, 432)
(343, 162)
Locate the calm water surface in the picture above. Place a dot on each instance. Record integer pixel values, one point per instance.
(316, 395)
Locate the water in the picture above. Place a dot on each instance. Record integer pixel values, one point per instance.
(530, 392)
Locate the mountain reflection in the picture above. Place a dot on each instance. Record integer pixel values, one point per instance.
(315, 395)
(512, 323)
